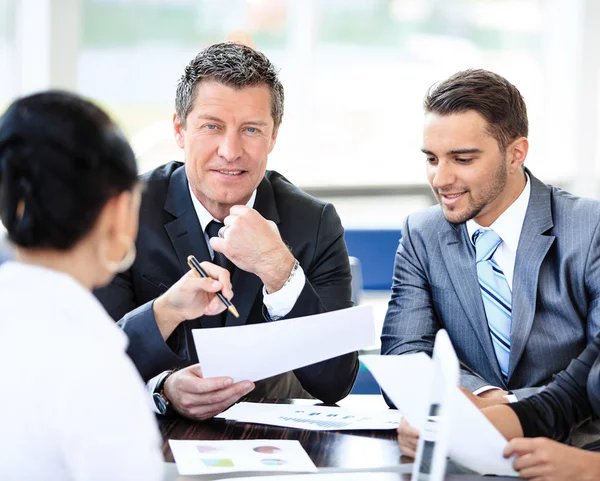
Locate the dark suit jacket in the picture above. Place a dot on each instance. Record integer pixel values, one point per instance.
(556, 291)
(573, 397)
(170, 231)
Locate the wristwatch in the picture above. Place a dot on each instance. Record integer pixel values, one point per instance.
(158, 396)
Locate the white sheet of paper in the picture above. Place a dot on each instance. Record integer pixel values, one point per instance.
(312, 418)
(406, 380)
(258, 351)
(474, 441)
(212, 457)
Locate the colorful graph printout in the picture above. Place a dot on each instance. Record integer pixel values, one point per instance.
(260, 455)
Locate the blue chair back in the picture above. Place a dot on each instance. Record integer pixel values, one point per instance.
(375, 249)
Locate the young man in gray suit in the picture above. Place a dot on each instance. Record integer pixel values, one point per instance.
(509, 266)
(285, 249)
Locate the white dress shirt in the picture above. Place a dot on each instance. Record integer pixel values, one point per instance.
(73, 405)
(508, 226)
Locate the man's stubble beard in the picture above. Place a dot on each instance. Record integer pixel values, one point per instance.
(488, 195)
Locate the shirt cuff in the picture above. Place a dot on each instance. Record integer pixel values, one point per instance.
(151, 387)
(511, 398)
(280, 303)
(483, 389)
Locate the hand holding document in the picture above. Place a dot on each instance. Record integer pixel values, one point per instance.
(473, 440)
(312, 418)
(258, 351)
(213, 457)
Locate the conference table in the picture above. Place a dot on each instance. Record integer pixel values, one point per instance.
(375, 454)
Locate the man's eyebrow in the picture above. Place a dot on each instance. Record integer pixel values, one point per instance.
(465, 151)
(455, 151)
(209, 117)
(259, 123)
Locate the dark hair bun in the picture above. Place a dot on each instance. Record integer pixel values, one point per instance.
(61, 160)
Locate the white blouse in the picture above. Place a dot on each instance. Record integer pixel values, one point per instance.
(72, 404)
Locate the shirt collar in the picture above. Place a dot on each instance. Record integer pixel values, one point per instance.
(206, 217)
(510, 223)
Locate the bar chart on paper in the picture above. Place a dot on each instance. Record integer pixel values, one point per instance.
(315, 418)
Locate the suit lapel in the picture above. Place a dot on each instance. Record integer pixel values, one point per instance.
(532, 249)
(247, 286)
(185, 231)
(458, 254)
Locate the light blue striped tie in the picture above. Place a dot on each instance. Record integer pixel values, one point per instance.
(496, 294)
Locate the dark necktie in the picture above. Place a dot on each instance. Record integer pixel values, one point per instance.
(212, 229)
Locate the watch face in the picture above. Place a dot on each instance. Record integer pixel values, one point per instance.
(159, 402)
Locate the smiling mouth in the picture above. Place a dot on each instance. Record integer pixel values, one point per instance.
(452, 196)
(231, 172)
(449, 200)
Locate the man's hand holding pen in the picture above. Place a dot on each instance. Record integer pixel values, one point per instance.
(191, 297)
(254, 245)
(188, 392)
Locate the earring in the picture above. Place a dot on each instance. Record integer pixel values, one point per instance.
(124, 264)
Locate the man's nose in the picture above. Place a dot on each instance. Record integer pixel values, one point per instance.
(443, 175)
(230, 147)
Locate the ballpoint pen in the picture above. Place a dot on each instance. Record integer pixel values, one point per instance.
(195, 265)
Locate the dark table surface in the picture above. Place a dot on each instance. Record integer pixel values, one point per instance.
(331, 450)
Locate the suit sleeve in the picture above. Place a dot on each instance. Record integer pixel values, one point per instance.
(147, 348)
(564, 403)
(327, 288)
(411, 322)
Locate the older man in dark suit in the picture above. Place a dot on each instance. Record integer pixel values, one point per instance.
(285, 250)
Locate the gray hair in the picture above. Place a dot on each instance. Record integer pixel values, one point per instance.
(233, 65)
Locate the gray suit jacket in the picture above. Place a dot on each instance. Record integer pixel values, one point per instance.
(556, 291)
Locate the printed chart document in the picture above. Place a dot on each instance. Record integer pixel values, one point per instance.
(312, 418)
(249, 352)
(213, 457)
(474, 441)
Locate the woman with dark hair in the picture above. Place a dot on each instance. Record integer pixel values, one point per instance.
(74, 406)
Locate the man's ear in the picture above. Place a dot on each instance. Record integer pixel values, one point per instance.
(517, 153)
(178, 131)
